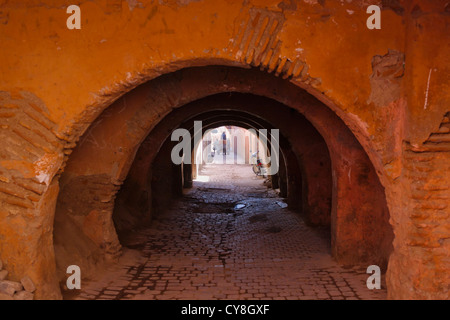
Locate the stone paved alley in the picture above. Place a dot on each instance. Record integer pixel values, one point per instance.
(207, 247)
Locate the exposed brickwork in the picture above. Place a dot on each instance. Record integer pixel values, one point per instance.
(256, 43)
(440, 141)
(428, 234)
(28, 141)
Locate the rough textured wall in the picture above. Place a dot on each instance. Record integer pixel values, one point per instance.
(55, 81)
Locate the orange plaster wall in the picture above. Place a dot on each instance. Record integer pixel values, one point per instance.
(76, 74)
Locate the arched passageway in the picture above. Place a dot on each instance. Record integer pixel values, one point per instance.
(324, 169)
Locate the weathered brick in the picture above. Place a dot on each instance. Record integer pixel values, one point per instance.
(10, 285)
(28, 284)
(23, 295)
(7, 288)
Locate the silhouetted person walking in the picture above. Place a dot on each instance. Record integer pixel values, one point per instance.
(224, 142)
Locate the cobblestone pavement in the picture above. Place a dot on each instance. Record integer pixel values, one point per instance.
(229, 239)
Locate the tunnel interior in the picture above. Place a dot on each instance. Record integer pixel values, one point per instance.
(121, 174)
(154, 180)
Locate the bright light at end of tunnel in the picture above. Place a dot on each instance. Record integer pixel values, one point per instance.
(202, 178)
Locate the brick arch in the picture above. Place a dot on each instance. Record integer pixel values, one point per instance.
(160, 167)
(137, 188)
(289, 169)
(292, 175)
(239, 119)
(102, 158)
(282, 68)
(231, 82)
(310, 146)
(104, 175)
(197, 82)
